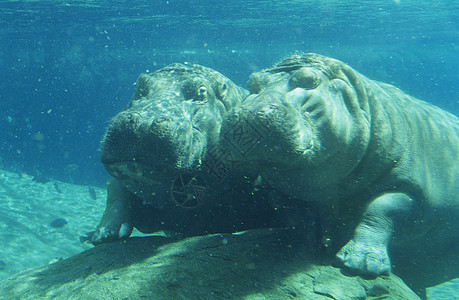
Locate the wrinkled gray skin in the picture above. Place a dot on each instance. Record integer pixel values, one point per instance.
(174, 116)
(378, 160)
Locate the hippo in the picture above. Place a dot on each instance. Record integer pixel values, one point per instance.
(172, 119)
(168, 171)
(382, 165)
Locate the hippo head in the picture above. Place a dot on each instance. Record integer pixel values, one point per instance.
(307, 116)
(173, 117)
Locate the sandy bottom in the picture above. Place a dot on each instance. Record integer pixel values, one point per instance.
(445, 291)
(27, 209)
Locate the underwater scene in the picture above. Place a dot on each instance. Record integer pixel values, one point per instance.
(250, 149)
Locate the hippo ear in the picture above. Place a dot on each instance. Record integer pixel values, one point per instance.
(221, 90)
(227, 93)
(143, 86)
(256, 83)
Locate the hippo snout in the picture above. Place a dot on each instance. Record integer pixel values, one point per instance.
(272, 133)
(156, 141)
(270, 115)
(284, 126)
(147, 152)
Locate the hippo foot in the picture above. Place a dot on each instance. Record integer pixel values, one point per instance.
(110, 233)
(365, 258)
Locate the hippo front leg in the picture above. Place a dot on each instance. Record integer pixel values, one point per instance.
(116, 221)
(366, 253)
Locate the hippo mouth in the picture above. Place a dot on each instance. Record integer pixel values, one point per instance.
(146, 160)
(288, 156)
(130, 171)
(152, 185)
(309, 149)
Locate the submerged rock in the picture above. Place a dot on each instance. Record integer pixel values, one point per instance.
(2, 265)
(92, 193)
(58, 223)
(257, 264)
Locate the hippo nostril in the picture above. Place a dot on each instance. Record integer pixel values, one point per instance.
(159, 124)
(161, 119)
(133, 115)
(133, 119)
(269, 109)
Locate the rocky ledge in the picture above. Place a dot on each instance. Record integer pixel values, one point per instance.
(257, 264)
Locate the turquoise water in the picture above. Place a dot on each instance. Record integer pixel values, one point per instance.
(67, 67)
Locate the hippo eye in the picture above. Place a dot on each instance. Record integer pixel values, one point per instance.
(304, 78)
(201, 95)
(194, 90)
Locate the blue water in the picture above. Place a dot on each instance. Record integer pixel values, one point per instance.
(67, 67)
